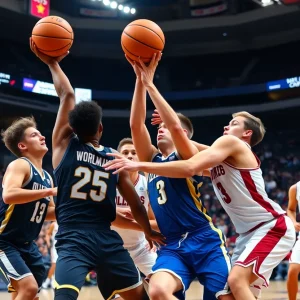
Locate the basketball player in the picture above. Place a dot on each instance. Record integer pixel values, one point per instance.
(85, 205)
(27, 200)
(195, 248)
(134, 241)
(266, 234)
(294, 268)
(51, 241)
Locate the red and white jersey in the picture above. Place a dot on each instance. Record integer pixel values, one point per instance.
(132, 237)
(243, 196)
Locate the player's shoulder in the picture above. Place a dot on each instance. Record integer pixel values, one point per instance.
(295, 186)
(228, 138)
(19, 164)
(231, 141)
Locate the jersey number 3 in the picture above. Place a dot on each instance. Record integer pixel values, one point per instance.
(225, 196)
(86, 173)
(160, 185)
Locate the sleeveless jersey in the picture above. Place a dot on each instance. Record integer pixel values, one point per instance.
(176, 202)
(86, 192)
(132, 237)
(242, 194)
(22, 223)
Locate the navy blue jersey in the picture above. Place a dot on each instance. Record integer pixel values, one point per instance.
(86, 192)
(176, 202)
(22, 223)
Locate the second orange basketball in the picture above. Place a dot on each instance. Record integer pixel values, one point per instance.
(142, 38)
(53, 36)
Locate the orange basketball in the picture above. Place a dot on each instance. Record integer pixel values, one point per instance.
(142, 38)
(53, 36)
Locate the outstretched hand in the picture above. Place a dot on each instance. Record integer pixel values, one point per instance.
(48, 60)
(147, 72)
(135, 67)
(155, 237)
(120, 163)
(156, 119)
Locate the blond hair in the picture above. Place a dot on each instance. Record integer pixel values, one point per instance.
(252, 123)
(14, 134)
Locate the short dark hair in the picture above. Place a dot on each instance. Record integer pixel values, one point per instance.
(125, 141)
(186, 123)
(14, 134)
(85, 118)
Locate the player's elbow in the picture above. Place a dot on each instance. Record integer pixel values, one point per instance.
(175, 129)
(67, 95)
(7, 197)
(190, 169)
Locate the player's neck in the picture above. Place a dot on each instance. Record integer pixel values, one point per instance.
(95, 143)
(134, 177)
(166, 151)
(36, 161)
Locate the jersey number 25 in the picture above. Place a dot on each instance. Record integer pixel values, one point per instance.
(86, 176)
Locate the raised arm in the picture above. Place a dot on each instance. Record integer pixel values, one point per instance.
(183, 144)
(139, 132)
(62, 131)
(292, 206)
(17, 173)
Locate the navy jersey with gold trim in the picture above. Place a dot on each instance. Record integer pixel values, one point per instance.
(176, 202)
(86, 192)
(22, 223)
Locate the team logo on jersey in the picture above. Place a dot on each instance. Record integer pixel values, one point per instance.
(48, 181)
(141, 188)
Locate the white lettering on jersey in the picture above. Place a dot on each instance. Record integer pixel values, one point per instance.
(91, 158)
(131, 237)
(243, 196)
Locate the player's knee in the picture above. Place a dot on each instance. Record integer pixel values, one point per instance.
(158, 291)
(234, 281)
(28, 291)
(65, 294)
(294, 270)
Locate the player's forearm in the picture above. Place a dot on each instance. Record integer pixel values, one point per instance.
(21, 196)
(166, 112)
(125, 223)
(138, 107)
(292, 215)
(176, 169)
(200, 147)
(154, 225)
(61, 82)
(51, 214)
(140, 215)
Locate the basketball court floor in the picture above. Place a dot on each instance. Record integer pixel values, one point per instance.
(276, 291)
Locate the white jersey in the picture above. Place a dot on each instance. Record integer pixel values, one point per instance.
(132, 237)
(243, 196)
(55, 229)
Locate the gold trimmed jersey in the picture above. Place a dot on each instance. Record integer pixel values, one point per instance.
(22, 223)
(176, 202)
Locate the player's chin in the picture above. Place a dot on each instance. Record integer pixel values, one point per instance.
(44, 148)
